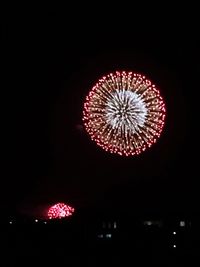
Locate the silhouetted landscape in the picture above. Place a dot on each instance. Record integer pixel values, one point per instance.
(100, 240)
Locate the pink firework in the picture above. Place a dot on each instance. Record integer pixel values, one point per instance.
(60, 210)
(124, 113)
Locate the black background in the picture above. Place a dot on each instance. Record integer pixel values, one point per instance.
(50, 62)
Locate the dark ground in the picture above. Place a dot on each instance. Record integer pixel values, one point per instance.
(75, 243)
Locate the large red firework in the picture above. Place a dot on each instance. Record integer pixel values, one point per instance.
(60, 210)
(124, 113)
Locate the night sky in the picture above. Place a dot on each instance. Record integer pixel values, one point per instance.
(51, 62)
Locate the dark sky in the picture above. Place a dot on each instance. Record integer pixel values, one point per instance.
(51, 62)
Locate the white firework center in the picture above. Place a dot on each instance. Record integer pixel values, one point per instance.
(127, 110)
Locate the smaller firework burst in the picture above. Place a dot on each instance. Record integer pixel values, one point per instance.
(60, 210)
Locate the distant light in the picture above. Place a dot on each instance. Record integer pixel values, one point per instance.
(174, 246)
(174, 233)
(148, 223)
(45, 222)
(100, 236)
(10, 222)
(182, 223)
(108, 235)
(36, 220)
(115, 225)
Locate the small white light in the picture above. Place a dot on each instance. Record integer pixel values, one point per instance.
(174, 246)
(108, 235)
(36, 220)
(182, 223)
(10, 222)
(115, 225)
(45, 222)
(100, 236)
(174, 233)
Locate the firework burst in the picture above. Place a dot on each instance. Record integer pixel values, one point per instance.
(124, 113)
(60, 210)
